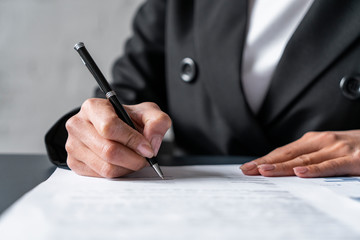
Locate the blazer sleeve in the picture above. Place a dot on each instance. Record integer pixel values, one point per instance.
(138, 76)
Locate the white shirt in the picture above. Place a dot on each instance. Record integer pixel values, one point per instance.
(271, 25)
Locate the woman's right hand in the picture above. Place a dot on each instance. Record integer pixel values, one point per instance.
(100, 144)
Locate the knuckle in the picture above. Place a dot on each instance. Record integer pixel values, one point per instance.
(166, 118)
(278, 149)
(263, 160)
(69, 146)
(270, 157)
(329, 137)
(71, 163)
(163, 118)
(316, 169)
(109, 151)
(288, 153)
(356, 156)
(88, 104)
(151, 105)
(348, 148)
(108, 171)
(344, 146)
(132, 139)
(283, 167)
(284, 151)
(310, 134)
(335, 166)
(305, 160)
(71, 123)
(107, 127)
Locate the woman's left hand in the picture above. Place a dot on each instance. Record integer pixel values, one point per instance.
(316, 154)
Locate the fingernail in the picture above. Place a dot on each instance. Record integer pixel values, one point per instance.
(145, 150)
(248, 166)
(300, 170)
(266, 167)
(156, 143)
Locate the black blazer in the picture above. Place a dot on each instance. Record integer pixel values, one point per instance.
(210, 114)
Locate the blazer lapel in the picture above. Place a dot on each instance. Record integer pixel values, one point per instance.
(328, 28)
(220, 29)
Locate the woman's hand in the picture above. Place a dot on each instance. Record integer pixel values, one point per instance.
(316, 154)
(100, 144)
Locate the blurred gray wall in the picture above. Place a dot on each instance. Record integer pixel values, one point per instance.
(41, 76)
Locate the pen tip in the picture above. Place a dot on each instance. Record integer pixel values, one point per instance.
(158, 170)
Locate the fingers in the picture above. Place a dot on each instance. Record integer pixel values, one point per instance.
(82, 144)
(100, 144)
(316, 154)
(81, 168)
(309, 143)
(107, 150)
(281, 154)
(101, 114)
(153, 122)
(335, 167)
(103, 169)
(287, 168)
(84, 161)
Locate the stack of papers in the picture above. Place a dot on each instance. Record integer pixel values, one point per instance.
(194, 202)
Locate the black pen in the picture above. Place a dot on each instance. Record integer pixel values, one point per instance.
(110, 95)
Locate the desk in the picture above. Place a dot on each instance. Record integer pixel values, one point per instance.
(19, 173)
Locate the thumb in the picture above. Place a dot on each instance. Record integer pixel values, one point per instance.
(153, 122)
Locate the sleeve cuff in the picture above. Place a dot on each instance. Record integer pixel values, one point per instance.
(55, 140)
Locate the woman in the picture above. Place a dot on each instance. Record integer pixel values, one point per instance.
(234, 78)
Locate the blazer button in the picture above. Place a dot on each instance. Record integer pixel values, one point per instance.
(350, 87)
(188, 70)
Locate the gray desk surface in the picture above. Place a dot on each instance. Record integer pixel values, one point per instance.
(20, 173)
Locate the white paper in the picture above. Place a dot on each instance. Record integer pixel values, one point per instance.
(195, 202)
